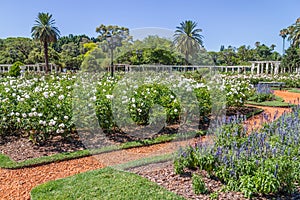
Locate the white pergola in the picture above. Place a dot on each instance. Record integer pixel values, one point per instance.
(39, 67)
(266, 67)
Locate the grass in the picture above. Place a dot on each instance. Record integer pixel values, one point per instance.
(8, 163)
(278, 102)
(255, 112)
(104, 184)
(294, 90)
(144, 161)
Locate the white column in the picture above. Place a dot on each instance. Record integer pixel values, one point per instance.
(272, 68)
(267, 68)
(252, 67)
(276, 69)
(258, 66)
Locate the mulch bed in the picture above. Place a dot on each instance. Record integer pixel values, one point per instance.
(163, 174)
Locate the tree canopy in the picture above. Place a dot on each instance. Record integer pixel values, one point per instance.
(46, 32)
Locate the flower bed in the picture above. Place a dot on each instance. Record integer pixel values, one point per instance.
(44, 106)
(259, 163)
(290, 80)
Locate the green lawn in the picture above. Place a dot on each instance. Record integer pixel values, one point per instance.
(294, 90)
(278, 102)
(104, 184)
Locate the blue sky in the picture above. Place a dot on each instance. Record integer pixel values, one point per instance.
(224, 22)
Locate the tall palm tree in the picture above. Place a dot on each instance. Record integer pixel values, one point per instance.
(45, 31)
(283, 33)
(187, 38)
(294, 33)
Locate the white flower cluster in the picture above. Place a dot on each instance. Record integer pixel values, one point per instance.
(31, 102)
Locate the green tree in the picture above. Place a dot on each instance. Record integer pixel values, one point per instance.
(15, 49)
(112, 37)
(295, 34)
(187, 38)
(291, 60)
(228, 56)
(151, 56)
(283, 33)
(156, 42)
(263, 52)
(37, 56)
(70, 56)
(245, 54)
(94, 61)
(77, 40)
(45, 31)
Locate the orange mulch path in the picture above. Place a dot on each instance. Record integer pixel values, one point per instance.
(272, 113)
(268, 115)
(17, 184)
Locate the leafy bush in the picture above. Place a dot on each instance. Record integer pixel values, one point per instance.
(40, 106)
(198, 184)
(43, 106)
(255, 163)
(214, 195)
(263, 93)
(237, 92)
(15, 69)
(291, 80)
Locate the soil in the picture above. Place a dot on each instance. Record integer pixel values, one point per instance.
(163, 174)
(16, 184)
(19, 148)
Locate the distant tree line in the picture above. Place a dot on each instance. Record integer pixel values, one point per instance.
(185, 48)
(291, 57)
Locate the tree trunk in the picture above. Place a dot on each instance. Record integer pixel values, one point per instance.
(46, 56)
(186, 57)
(283, 49)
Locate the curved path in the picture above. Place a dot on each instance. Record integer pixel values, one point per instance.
(16, 184)
(271, 113)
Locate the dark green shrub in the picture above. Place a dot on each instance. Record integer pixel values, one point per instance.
(198, 184)
(15, 69)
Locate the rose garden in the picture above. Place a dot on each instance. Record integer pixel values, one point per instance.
(174, 124)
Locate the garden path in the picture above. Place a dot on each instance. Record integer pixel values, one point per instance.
(271, 113)
(16, 184)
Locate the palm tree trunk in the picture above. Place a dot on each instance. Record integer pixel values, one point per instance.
(283, 49)
(186, 57)
(46, 56)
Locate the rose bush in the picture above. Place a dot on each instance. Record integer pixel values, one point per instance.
(43, 106)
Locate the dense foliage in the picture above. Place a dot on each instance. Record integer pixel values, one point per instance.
(15, 69)
(255, 163)
(291, 59)
(151, 56)
(262, 93)
(43, 106)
